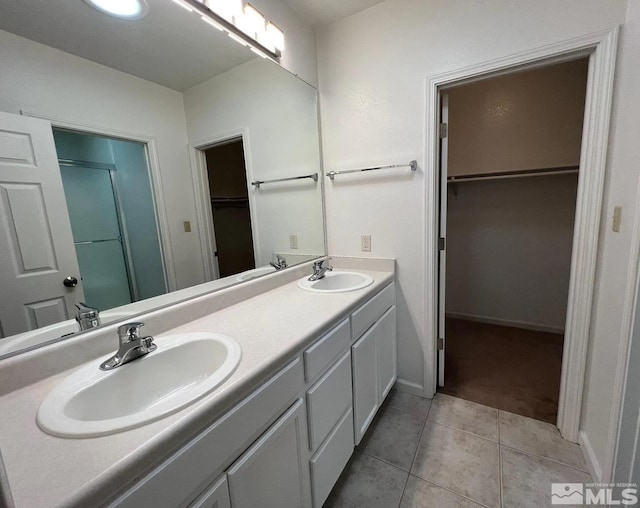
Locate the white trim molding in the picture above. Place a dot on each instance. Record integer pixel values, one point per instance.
(202, 199)
(601, 49)
(409, 387)
(590, 457)
(525, 325)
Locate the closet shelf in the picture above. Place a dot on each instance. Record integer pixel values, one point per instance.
(527, 173)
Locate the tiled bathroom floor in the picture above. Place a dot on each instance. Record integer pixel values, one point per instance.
(455, 453)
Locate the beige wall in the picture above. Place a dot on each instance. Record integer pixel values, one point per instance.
(529, 120)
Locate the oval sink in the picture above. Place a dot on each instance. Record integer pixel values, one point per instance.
(256, 272)
(92, 402)
(337, 282)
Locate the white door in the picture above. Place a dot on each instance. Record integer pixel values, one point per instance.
(364, 358)
(387, 353)
(36, 245)
(273, 473)
(444, 147)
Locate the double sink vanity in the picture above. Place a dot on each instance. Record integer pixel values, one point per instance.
(255, 396)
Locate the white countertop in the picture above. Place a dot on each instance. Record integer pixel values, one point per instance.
(271, 328)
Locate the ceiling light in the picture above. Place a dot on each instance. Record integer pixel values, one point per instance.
(124, 9)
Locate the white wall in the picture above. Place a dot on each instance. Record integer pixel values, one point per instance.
(279, 115)
(372, 71)
(509, 250)
(615, 248)
(47, 82)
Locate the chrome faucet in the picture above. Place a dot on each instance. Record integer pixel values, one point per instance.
(132, 346)
(320, 268)
(87, 317)
(278, 262)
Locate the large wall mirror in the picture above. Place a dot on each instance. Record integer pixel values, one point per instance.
(137, 161)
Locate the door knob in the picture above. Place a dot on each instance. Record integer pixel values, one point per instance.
(70, 282)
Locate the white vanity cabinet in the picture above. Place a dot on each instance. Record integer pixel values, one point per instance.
(374, 357)
(286, 444)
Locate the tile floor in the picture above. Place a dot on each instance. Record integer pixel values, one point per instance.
(455, 453)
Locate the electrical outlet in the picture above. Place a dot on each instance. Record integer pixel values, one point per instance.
(365, 243)
(617, 219)
(187, 226)
(293, 241)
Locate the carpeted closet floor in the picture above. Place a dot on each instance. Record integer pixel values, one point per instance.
(506, 368)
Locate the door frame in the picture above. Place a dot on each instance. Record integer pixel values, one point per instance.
(200, 180)
(155, 179)
(600, 47)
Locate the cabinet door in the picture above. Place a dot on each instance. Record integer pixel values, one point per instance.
(387, 356)
(273, 473)
(216, 496)
(364, 354)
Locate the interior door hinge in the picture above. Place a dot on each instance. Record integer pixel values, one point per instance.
(444, 130)
(440, 344)
(441, 243)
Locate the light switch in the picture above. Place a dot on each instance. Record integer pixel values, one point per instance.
(617, 219)
(293, 241)
(365, 243)
(187, 226)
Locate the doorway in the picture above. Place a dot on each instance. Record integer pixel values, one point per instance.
(113, 220)
(510, 156)
(226, 175)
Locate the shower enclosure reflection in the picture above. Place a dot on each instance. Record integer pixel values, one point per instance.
(113, 220)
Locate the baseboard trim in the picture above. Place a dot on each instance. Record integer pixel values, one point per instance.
(506, 322)
(403, 385)
(590, 457)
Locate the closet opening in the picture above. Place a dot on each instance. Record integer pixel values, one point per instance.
(231, 227)
(510, 148)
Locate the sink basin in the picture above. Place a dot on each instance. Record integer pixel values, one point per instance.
(337, 282)
(256, 272)
(92, 402)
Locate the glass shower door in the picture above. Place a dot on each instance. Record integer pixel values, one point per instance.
(97, 234)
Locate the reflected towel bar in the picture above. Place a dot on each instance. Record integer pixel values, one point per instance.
(413, 165)
(258, 183)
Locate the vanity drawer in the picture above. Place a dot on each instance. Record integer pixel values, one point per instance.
(180, 477)
(366, 315)
(323, 352)
(328, 399)
(327, 464)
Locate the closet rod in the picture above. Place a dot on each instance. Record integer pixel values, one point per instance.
(514, 174)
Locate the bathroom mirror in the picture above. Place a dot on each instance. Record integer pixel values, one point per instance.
(136, 165)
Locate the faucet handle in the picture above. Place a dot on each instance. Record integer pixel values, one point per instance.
(147, 344)
(129, 331)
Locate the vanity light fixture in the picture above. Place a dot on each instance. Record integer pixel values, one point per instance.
(211, 22)
(253, 22)
(275, 36)
(123, 9)
(244, 24)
